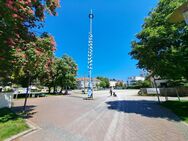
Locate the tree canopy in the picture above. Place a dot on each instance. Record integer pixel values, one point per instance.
(162, 47)
(104, 82)
(68, 72)
(34, 60)
(62, 73)
(17, 20)
(26, 56)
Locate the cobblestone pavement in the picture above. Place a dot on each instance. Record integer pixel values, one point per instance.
(123, 118)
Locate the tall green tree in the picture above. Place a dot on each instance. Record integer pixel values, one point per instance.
(17, 19)
(33, 61)
(49, 77)
(162, 47)
(67, 77)
(62, 73)
(104, 82)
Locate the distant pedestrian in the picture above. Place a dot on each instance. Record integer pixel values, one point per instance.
(114, 94)
(111, 91)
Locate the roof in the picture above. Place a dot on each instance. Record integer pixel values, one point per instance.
(86, 79)
(177, 15)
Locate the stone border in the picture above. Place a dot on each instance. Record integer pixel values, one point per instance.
(185, 123)
(33, 127)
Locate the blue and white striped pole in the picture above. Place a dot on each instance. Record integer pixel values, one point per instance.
(90, 59)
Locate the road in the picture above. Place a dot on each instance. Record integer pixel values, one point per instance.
(126, 117)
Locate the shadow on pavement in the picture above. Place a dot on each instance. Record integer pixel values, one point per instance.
(30, 110)
(144, 108)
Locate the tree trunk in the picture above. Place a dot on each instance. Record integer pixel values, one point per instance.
(61, 90)
(54, 90)
(49, 90)
(66, 91)
(177, 94)
(27, 93)
(157, 91)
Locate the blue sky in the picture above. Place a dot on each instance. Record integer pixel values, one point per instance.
(114, 27)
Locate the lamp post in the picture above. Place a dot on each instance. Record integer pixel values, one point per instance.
(180, 14)
(90, 59)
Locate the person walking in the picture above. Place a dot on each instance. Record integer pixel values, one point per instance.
(111, 91)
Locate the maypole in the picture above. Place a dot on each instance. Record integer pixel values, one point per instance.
(90, 59)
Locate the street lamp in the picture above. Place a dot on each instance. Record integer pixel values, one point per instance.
(180, 14)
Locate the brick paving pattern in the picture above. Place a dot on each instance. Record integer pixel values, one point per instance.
(123, 118)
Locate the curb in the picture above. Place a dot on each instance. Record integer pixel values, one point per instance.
(184, 123)
(32, 126)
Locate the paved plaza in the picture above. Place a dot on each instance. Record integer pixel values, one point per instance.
(127, 117)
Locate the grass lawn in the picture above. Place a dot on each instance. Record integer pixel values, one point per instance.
(179, 108)
(10, 124)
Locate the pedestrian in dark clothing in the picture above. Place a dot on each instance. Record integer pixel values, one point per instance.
(111, 91)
